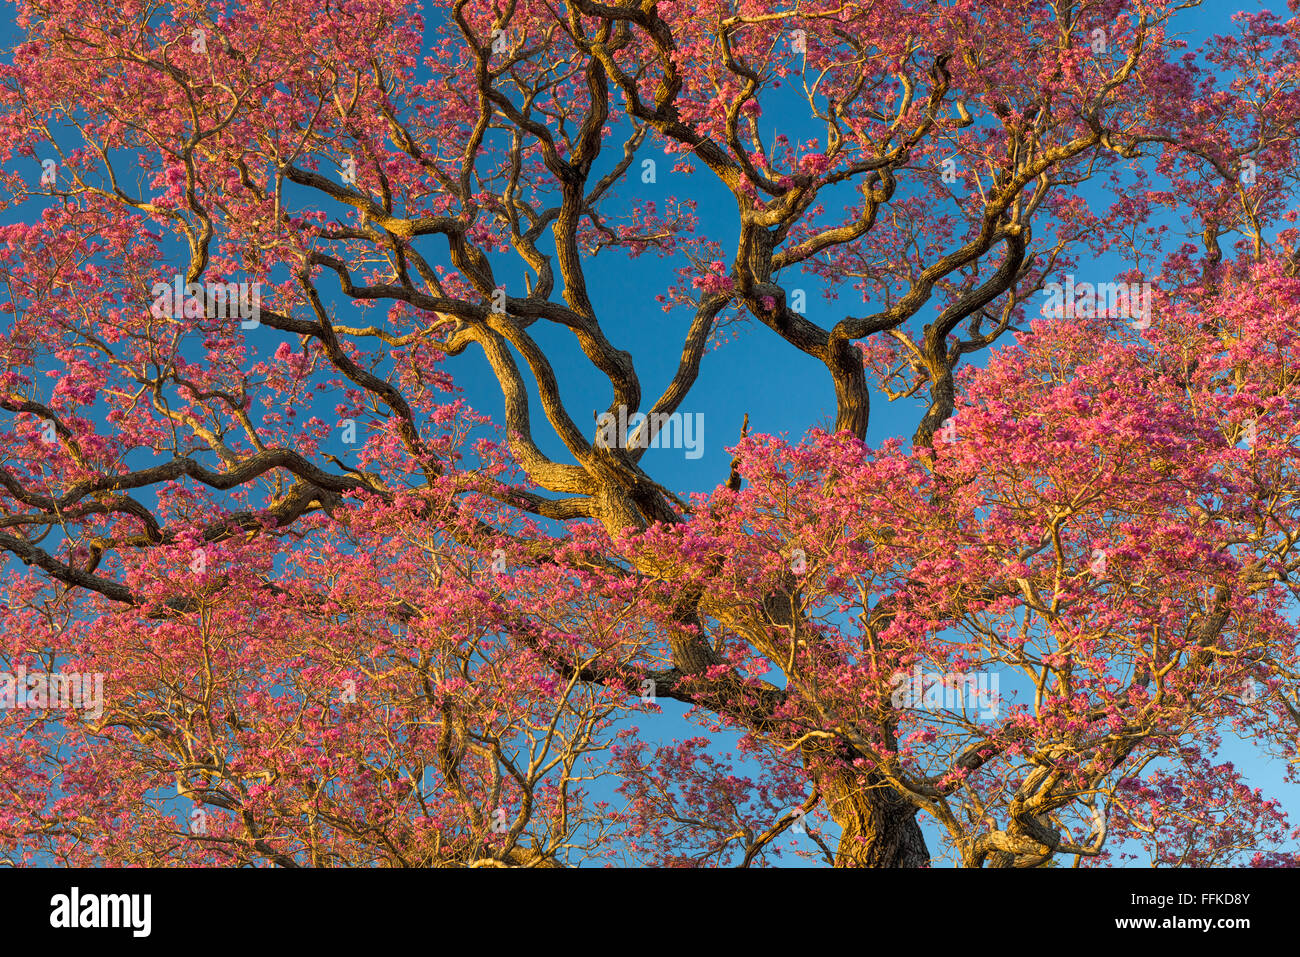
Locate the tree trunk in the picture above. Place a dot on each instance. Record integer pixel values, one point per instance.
(878, 825)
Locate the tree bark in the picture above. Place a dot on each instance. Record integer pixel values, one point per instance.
(878, 825)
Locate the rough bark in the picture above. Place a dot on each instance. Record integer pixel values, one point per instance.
(878, 825)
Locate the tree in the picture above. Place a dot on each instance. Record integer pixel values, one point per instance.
(412, 636)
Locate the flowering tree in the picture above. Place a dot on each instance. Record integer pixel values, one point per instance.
(403, 634)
